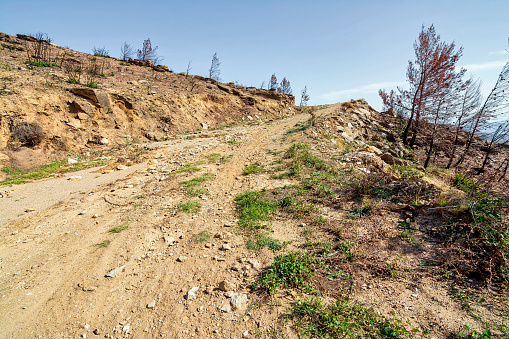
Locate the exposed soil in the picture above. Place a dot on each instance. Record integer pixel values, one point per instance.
(52, 277)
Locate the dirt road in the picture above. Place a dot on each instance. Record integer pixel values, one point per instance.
(53, 262)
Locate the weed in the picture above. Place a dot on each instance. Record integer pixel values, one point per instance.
(41, 64)
(255, 168)
(291, 270)
(103, 244)
(139, 196)
(198, 180)
(263, 240)
(203, 236)
(360, 212)
(407, 172)
(467, 333)
(191, 167)
(188, 207)
(92, 84)
(195, 192)
(73, 81)
(119, 228)
(253, 208)
(463, 182)
(214, 157)
(232, 142)
(344, 318)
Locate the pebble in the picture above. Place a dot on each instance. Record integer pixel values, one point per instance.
(82, 212)
(225, 308)
(182, 258)
(151, 304)
(122, 167)
(255, 263)
(239, 301)
(95, 216)
(30, 210)
(191, 294)
(114, 272)
(226, 286)
(226, 247)
(75, 177)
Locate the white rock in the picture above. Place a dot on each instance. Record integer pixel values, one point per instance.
(151, 304)
(113, 273)
(239, 301)
(191, 294)
(72, 161)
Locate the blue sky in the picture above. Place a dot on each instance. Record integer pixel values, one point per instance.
(339, 49)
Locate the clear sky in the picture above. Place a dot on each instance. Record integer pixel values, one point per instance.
(339, 49)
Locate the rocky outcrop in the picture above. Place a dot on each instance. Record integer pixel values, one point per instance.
(98, 98)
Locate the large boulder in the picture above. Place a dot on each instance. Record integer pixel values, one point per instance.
(97, 97)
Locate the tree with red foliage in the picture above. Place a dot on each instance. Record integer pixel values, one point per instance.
(273, 82)
(147, 52)
(285, 87)
(432, 71)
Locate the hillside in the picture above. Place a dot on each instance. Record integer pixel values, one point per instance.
(248, 218)
(131, 104)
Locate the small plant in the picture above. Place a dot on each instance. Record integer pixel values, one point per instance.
(29, 134)
(263, 240)
(191, 167)
(73, 81)
(232, 142)
(463, 182)
(344, 319)
(198, 180)
(119, 228)
(253, 208)
(41, 63)
(203, 236)
(255, 168)
(188, 207)
(290, 270)
(103, 244)
(92, 84)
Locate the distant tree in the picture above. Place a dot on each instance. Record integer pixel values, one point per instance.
(189, 68)
(126, 51)
(304, 97)
(147, 52)
(430, 73)
(100, 51)
(285, 87)
(262, 86)
(273, 82)
(495, 105)
(469, 104)
(214, 71)
(500, 135)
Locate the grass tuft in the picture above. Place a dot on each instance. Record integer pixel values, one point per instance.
(119, 228)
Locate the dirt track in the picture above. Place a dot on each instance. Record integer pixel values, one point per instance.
(53, 280)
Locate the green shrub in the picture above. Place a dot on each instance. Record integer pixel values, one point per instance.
(253, 208)
(290, 270)
(463, 182)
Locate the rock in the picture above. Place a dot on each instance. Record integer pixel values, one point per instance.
(245, 334)
(226, 286)
(126, 328)
(83, 107)
(255, 263)
(372, 149)
(182, 258)
(75, 177)
(75, 123)
(204, 126)
(151, 136)
(97, 97)
(225, 308)
(226, 247)
(82, 116)
(387, 158)
(192, 293)
(151, 304)
(239, 301)
(114, 272)
(169, 240)
(161, 68)
(122, 167)
(82, 212)
(72, 161)
(30, 210)
(104, 141)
